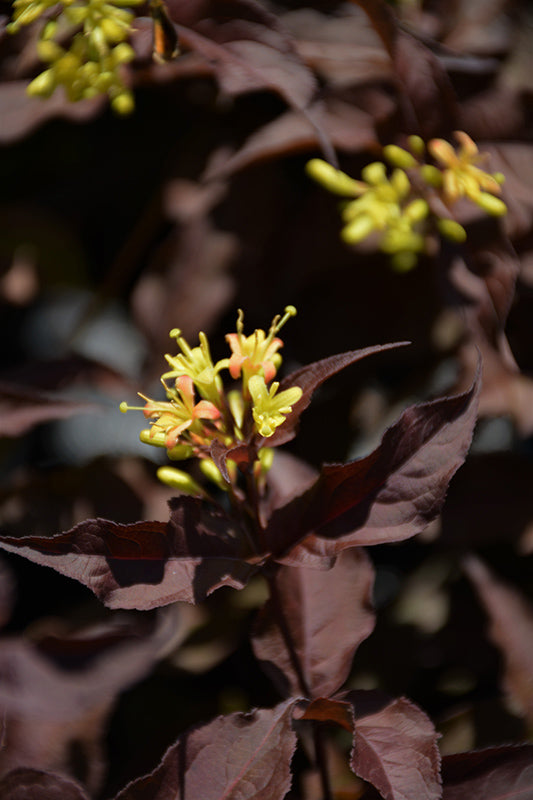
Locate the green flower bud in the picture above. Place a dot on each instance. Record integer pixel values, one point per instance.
(118, 14)
(451, 230)
(177, 479)
(123, 103)
(416, 145)
(400, 182)
(104, 81)
(398, 157)
(213, 474)
(404, 262)
(43, 85)
(28, 15)
(49, 30)
(333, 179)
(375, 173)
(98, 40)
(123, 53)
(492, 205)
(417, 210)
(66, 68)
(147, 436)
(431, 175)
(359, 229)
(48, 50)
(114, 31)
(77, 15)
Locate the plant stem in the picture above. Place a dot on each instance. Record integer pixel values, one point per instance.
(318, 742)
(321, 761)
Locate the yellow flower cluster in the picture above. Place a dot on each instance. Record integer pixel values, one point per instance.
(189, 427)
(96, 32)
(397, 210)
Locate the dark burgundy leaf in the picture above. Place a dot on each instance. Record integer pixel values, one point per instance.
(244, 66)
(146, 564)
(389, 495)
(349, 128)
(21, 114)
(310, 377)
(497, 773)
(56, 694)
(395, 749)
(33, 784)
(511, 630)
(323, 635)
(237, 757)
(21, 408)
(427, 97)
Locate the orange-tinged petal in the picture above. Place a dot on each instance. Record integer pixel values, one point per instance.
(206, 410)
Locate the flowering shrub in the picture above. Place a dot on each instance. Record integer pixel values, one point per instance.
(308, 547)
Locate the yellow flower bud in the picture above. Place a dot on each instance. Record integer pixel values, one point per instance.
(43, 85)
(431, 175)
(333, 179)
(359, 229)
(416, 145)
(417, 210)
(49, 30)
(398, 157)
(451, 230)
(404, 262)
(77, 14)
(375, 173)
(492, 205)
(28, 15)
(48, 50)
(400, 182)
(178, 479)
(122, 53)
(123, 103)
(114, 31)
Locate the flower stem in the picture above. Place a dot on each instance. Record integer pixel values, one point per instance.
(318, 741)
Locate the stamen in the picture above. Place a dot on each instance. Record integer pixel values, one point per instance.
(278, 322)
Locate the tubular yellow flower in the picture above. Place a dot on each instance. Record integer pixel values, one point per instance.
(196, 362)
(269, 409)
(461, 177)
(256, 354)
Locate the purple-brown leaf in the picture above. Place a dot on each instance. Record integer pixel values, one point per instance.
(391, 494)
(23, 407)
(497, 773)
(511, 630)
(237, 757)
(310, 377)
(33, 784)
(145, 564)
(323, 635)
(395, 749)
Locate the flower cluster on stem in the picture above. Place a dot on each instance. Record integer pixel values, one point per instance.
(200, 414)
(402, 209)
(84, 45)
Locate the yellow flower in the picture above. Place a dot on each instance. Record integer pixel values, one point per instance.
(256, 354)
(170, 419)
(461, 177)
(270, 409)
(196, 362)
